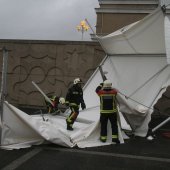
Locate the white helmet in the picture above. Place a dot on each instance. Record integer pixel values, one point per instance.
(61, 100)
(77, 80)
(107, 84)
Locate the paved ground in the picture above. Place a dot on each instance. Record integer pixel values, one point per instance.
(137, 153)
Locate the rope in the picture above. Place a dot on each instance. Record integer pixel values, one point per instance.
(134, 100)
(142, 103)
(148, 80)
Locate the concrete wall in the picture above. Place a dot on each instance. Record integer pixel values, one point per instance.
(53, 65)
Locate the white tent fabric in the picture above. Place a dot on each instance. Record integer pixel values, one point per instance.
(20, 130)
(143, 37)
(138, 66)
(140, 58)
(148, 36)
(128, 73)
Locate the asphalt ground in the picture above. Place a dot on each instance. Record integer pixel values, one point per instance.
(136, 154)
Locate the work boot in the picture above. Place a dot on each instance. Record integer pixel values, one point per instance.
(115, 140)
(69, 128)
(150, 136)
(103, 139)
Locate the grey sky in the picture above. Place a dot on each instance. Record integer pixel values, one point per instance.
(45, 19)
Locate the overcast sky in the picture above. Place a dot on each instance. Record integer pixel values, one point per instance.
(45, 19)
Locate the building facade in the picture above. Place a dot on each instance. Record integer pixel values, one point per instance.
(115, 14)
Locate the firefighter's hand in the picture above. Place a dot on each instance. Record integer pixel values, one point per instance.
(101, 84)
(83, 106)
(67, 104)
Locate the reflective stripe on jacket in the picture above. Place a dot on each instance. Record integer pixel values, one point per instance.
(74, 96)
(108, 102)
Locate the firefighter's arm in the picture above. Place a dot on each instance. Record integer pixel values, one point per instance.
(83, 105)
(68, 96)
(99, 87)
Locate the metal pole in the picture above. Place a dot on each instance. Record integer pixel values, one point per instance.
(3, 92)
(5, 58)
(82, 32)
(161, 124)
(96, 37)
(45, 96)
(4, 79)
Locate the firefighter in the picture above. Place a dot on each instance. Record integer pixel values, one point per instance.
(53, 109)
(108, 110)
(74, 98)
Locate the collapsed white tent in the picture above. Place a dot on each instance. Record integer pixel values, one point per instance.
(137, 66)
(138, 58)
(20, 130)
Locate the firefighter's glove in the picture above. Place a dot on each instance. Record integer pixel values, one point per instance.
(67, 104)
(83, 106)
(101, 84)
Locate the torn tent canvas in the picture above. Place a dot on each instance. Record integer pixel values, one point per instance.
(137, 63)
(20, 130)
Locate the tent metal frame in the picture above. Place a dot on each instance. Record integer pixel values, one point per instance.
(107, 55)
(3, 92)
(99, 68)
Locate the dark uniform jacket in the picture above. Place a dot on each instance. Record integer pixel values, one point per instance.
(108, 103)
(74, 96)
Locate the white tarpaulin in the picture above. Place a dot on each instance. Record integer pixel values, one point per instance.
(139, 86)
(137, 66)
(20, 130)
(144, 37)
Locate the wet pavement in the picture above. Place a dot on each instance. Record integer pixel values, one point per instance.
(137, 153)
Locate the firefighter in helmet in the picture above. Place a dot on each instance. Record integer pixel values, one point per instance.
(108, 110)
(74, 98)
(52, 107)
